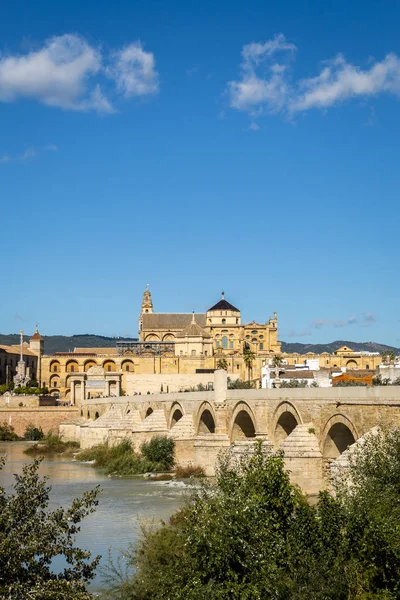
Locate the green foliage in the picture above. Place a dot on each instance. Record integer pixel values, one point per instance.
(33, 433)
(294, 383)
(157, 455)
(52, 443)
(160, 449)
(31, 391)
(350, 383)
(222, 363)
(238, 384)
(379, 380)
(252, 535)
(31, 536)
(5, 387)
(7, 433)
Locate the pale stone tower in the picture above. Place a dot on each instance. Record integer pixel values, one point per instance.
(147, 306)
(36, 345)
(147, 303)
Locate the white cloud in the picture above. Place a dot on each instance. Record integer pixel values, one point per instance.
(369, 319)
(266, 83)
(263, 82)
(65, 73)
(52, 148)
(319, 323)
(339, 81)
(56, 75)
(27, 155)
(254, 127)
(293, 333)
(133, 71)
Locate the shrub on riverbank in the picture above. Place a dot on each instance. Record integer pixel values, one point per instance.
(33, 434)
(160, 449)
(7, 433)
(52, 444)
(252, 535)
(123, 460)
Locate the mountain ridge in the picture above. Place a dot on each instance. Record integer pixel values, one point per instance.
(63, 343)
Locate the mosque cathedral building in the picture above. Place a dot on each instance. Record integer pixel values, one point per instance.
(171, 344)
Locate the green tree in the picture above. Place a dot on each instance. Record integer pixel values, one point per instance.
(222, 363)
(31, 536)
(246, 537)
(248, 357)
(369, 491)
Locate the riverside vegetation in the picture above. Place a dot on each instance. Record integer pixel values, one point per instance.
(155, 456)
(252, 535)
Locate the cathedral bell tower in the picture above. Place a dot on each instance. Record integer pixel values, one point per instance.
(147, 306)
(147, 303)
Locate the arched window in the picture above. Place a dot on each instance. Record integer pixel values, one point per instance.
(224, 341)
(223, 321)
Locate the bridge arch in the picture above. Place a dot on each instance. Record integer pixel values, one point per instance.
(338, 434)
(205, 420)
(285, 420)
(176, 414)
(243, 423)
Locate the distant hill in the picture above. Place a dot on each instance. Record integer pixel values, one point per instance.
(63, 343)
(319, 348)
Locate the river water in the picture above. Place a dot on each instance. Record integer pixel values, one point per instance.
(124, 504)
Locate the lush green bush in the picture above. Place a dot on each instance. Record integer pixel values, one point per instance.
(160, 449)
(252, 535)
(238, 384)
(31, 536)
(350, 383)
(7, 433)
(294, 383)
(122, 460)
(33, 433)
(31, 391)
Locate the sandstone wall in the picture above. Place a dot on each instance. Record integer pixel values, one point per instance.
(162, 383)
(48, 418)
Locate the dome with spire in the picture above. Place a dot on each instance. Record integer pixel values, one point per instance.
(223, 305)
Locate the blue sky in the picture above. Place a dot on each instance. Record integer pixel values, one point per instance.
(200, 146)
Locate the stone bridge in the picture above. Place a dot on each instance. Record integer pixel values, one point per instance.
(313, 426)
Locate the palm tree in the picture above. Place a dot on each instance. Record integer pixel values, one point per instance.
(248, 357)
(222, 364)
(277, 361)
